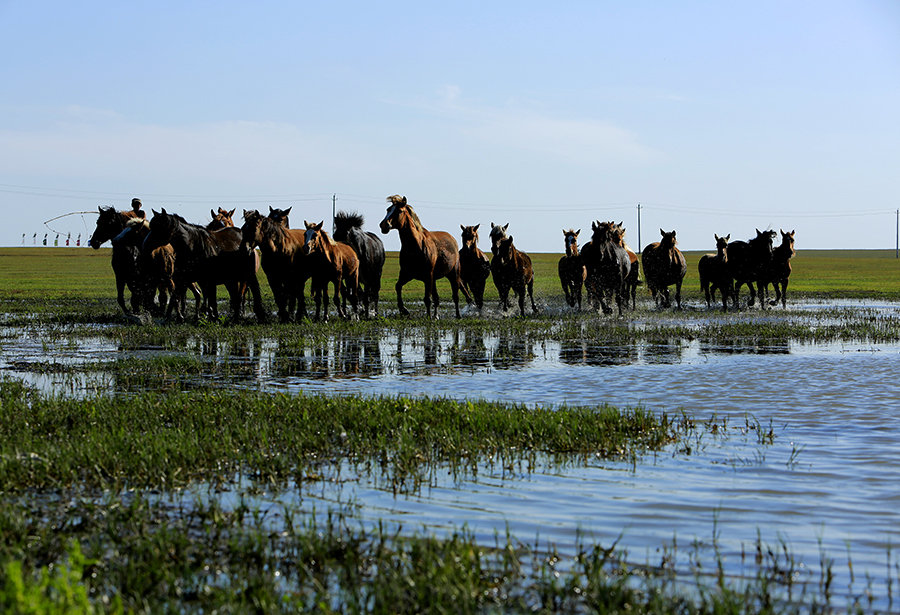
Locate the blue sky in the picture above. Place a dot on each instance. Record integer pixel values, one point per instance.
(718, 117)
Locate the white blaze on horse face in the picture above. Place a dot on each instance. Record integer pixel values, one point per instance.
(386, 223)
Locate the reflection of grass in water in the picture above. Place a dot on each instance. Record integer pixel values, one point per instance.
(203, 552)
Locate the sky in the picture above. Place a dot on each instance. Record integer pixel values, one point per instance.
(715, 117)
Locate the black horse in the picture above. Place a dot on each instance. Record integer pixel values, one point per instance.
(209, 258)
(370, 251)
(607, 265)
(748, 262)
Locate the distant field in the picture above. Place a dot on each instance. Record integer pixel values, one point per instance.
(83, 273)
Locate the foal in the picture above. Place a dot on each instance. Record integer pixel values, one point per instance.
(331, 262)
(474, 265)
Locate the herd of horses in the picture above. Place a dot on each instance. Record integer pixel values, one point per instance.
(162, 258)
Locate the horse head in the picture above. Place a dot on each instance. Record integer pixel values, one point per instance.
(505, 248)
(722, 243)
(397, 207)
(603, 231)
(162, 227)
(571, 239)
(787, 240)
(498, 234)
(313, 237)
(221, 219)
(469, 237)
(668, 239)
(251, 230)
(109, 224)
(280, 216)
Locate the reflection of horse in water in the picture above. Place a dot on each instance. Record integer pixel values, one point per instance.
(424, 255)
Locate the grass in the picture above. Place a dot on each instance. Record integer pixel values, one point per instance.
(169, 440)
(70, 275)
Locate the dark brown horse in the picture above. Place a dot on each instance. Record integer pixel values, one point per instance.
(572, 272)
(209, 258)
(607, 264)
(334, 262)
(715, 274)
(424, 255)
(748, 262)
(780, 270)
(512, 270)
(283, 261)
(664, 265)
(474, 265)
(370, 252)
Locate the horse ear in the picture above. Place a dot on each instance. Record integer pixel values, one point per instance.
(506, 226)
(163, 211)
(576, 232)
(231, 213)
(271, 210)
(462, 228)
(404, 200)
(662, 232)
(212, 213)
(319, 225)
(288, 210)
(728, 237)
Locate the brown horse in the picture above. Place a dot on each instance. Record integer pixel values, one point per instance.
(283, 261)
(331, 261)
(633, 279)
(572, 272)
(474, 265)
(424, 255)
(498, 234)
(280, 216)
(511, 269)
(664, 265)
(749, 261)
(715, 273)
(780, 269)
(221, 219)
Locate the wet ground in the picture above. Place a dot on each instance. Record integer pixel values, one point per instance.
(827, 479)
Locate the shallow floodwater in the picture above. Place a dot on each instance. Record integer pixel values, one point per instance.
(829, 480)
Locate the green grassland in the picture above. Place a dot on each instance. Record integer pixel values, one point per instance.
(78, 273)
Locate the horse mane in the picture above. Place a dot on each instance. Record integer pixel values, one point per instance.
(396, 199)
(346, 221)
(136, 222)
(328, 238)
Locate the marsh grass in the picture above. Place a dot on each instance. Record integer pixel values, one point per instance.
(167, 440)
(189, 554)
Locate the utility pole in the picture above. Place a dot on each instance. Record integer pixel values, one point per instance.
(897, 244)
(333, 212)
(639, 228)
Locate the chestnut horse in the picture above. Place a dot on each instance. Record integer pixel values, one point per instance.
(424, 255)
(474, 265)
(370, 252)
(572, 272)
(511, 269)
(780, 269)
(221, 219)
(283, 260)
(664, 265)
(633, 279)
(209, 258)
(715, 274)
(331, 261)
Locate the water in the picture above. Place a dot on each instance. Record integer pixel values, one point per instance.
(828, 480)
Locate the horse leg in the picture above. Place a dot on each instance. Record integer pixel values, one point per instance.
(530, 288)
(784, 285)
(120, 294)
(339, 294)
(430, 291)
(398, 287)
(678, 294)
